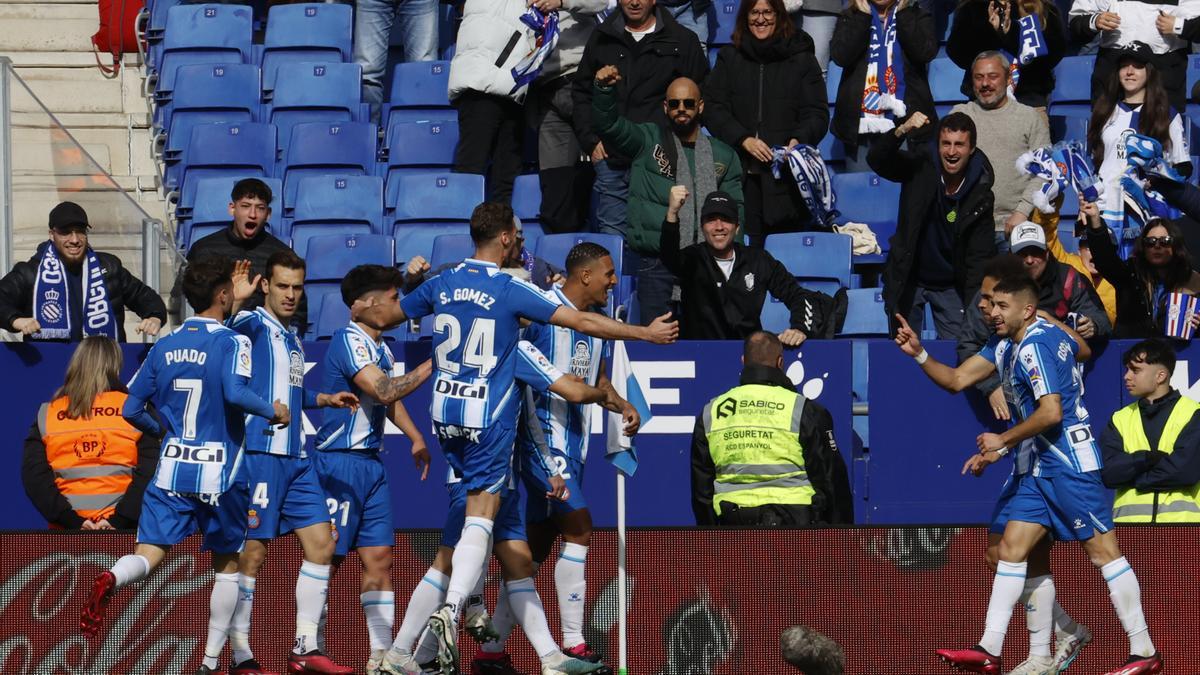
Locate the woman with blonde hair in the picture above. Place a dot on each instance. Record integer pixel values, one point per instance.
(884, 48)
(84, 466)
(1029, 32)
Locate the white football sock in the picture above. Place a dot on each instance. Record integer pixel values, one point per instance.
(1006, 591)
(429, 594)
(502, 620)
(470, 557)
(239, 630)
(1126, 597)
(130, 568)
(571, 584)
(1038, 598)
(221, 605)
(1063, 623)
(527, 608)
(312, 590)
(380, 610)
(321, 625)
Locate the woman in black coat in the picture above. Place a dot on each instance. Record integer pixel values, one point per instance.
(766, 90)
(987, 25)
(917, 35)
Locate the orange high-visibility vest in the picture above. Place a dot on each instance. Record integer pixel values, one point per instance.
(92, 459)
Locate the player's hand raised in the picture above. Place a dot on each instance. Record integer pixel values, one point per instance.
(420, 455)
(906, 338)
(662, 330)
(243, 285)
(416, 267)
(283, 416)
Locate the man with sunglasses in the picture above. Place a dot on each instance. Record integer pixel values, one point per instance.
(664, 157)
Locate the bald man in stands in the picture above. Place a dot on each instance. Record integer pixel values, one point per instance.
(662, 158)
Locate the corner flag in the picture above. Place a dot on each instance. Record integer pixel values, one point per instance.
(620, 451)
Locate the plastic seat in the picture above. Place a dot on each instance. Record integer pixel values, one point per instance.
(726, 19)
(775, 316)
(433, 196)
(553, 248)
(305, 33)
(867, 198)
(207, 94)
(820, 260)
(527, 198)
(315, 92)
(419, 92)
(945, 81)
(450, 248)
(413, 146)
(413, 239)
(332, 256)
(1068, 128)
(1072, 93)
(202, 34)
(226, 150)
(324, 148)
(345, 204)
(865, 315)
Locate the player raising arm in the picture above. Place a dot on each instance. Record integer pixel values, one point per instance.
(198, 377)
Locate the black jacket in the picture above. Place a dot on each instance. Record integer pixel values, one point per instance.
(257, 250)
(1147, 469)
(647, 68)
(124, 291)
(38, 478)
(833, 503)
(917, 33)
(971, 35)
(920, 173)
(716, 309)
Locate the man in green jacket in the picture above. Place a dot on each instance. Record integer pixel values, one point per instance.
(707, 165)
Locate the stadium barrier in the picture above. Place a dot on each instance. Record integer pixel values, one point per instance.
(703, 602)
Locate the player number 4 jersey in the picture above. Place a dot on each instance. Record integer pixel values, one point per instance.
(476, 311)
(278, 375)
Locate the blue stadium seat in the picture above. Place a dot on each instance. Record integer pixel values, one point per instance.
(820, 260)
(833, 79)
(527, 198)
(726, 17)
(305, 33)
(202, 34)
(156, 25)
(1072, 93)
(206, 94)
(1068, 128)
(434, 196)
(553, 248)
(419, 92)
(351, 204)
(945, 81)
(865, 316)
(775, 317)
(211, 207)
(331, 256)
(451, 248)
(332, 316)
(419, 238)
(325, 148)
(832, 150)
(246, 149)
(413, 146)
(315, 92)
(867, 198)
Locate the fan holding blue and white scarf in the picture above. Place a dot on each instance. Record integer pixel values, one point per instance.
(1028, 32)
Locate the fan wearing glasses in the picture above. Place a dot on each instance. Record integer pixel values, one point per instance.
(1159, 266)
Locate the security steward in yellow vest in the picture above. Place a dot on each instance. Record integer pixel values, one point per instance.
(763, 455)
(88, 471)
(1152, 446)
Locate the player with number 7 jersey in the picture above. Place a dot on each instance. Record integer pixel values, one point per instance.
(198, 376)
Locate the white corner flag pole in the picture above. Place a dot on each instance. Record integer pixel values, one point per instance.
(622, 620)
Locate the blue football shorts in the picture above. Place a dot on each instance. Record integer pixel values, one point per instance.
(357, 494)
(168, 518)
(285, 495)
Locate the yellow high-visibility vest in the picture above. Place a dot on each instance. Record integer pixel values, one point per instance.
(1155, 506)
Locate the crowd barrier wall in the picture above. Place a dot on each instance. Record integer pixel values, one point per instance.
(702, 602)
(911, 473)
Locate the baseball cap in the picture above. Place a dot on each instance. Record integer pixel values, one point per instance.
(719, 203)
(1136, 51)
(68, 215)
(1027, 234)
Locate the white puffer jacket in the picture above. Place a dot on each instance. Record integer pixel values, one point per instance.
(491, 40)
